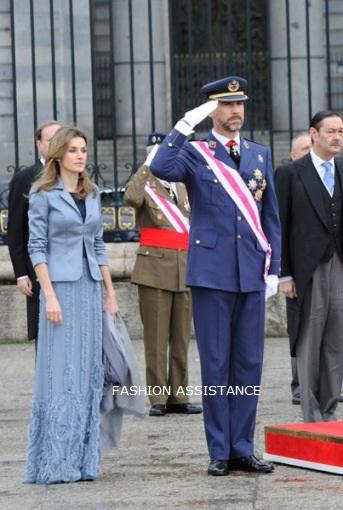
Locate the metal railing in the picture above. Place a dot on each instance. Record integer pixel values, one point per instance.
(208, 39)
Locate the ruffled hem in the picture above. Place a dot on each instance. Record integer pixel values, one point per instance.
(64, 434)
(64, 440)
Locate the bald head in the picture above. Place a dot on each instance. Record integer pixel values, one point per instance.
(301, 145)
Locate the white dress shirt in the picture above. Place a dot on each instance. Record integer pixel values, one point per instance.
(317, 162)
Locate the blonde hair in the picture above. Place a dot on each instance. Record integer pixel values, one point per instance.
(58, 146)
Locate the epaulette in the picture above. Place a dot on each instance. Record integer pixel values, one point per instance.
(256, 143)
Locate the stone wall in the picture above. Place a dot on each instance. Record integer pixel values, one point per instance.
(121, 257)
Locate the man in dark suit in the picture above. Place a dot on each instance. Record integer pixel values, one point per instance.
(310, 193)
(301, 145)
(234, 249)
(18, 228)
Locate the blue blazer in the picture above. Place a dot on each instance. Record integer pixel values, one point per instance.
(224, 253)
(57, 234)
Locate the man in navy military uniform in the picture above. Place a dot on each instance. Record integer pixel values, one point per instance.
(227, 267)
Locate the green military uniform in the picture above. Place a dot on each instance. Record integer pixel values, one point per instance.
(165, 303)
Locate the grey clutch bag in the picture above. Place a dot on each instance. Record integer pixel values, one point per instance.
(121, 369)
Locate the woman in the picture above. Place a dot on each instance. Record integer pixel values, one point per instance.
(68, 254)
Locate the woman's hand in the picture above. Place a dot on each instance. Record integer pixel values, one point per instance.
(53, 309)
(111, 304)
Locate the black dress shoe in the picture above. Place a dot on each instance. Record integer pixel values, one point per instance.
(184, 408)
(158, 410)
(218, 468)
(340, 398)
(250, 463)
(296, 400)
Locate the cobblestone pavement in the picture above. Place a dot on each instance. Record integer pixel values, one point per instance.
(161, 462)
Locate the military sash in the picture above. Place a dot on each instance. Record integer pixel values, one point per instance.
(163, 238)
(173, 214)
(238, 191)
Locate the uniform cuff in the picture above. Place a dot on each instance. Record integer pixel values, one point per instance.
(274, 267)
(175, 139)
(183, 127)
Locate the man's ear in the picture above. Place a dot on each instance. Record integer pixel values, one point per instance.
(38, 144)
(313, 133)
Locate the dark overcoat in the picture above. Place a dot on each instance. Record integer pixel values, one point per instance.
(305, 229)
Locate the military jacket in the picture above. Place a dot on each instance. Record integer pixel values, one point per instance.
(156, 267)
(224, 253)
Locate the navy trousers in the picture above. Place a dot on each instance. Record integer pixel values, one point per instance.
(229, 328)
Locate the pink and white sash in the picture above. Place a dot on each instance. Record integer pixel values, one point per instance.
(173, 214)
(238, 191)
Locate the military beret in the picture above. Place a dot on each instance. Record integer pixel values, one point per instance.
(155, 138)
(231, 88)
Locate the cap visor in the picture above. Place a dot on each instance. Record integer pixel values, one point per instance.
(231, 99)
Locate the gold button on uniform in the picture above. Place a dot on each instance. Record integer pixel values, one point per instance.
(215, 180)
(197, 241)
(239, 236)
(239, 218)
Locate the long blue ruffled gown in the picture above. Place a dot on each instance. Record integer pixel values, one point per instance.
(64, 434)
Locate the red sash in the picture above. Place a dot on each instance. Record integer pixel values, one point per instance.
(163, 238)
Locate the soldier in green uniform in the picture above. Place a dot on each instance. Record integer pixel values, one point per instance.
(162, 210)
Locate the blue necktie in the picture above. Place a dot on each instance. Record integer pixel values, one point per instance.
(329, 178)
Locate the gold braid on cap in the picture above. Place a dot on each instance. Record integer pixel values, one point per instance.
(227, 94)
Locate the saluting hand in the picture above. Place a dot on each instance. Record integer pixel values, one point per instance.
(195, 116)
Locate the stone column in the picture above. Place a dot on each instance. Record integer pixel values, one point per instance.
(43, 68)
(298, 62)
(141, 60)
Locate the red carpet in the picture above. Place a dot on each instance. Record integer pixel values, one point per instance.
(310, 445)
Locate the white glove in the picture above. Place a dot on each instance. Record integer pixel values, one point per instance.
(151, 155)
(272, 283)
(195, 116)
